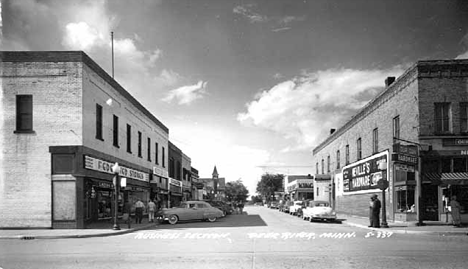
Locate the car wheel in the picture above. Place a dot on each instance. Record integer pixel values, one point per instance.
(224, 213)
(311, 219)
(173, 219)
(212, 219)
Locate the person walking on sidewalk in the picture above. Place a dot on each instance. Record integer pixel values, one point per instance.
(127, 211)
(139, 207)
(151, 210)
(371, 206)
(375, 211)
(455, 208)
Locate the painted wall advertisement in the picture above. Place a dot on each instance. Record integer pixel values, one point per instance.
(364, 175)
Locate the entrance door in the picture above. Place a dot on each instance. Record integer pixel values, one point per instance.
(430, 204)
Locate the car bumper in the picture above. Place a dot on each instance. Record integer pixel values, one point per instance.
(323, 216)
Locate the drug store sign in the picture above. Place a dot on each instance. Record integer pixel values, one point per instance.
(365, 174)
(106, 167)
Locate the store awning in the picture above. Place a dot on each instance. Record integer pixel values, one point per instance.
(460, 178)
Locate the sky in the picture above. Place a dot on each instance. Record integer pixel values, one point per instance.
(249, 86)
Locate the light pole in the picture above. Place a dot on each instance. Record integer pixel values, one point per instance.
(116, 171)
(383, 186)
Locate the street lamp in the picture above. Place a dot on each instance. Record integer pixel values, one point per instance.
(116, 171)
(383, 185)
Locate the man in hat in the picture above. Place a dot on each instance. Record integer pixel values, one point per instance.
(376, 205)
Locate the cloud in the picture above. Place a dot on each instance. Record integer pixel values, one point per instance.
(305, 108)
(281, 29)
(278, 76)
(169, 77)
(186, 94)
(249, 14)
(463, 41)
(463, 56)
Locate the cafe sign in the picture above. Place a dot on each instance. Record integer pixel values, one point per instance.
(365, 174)
(106, 167)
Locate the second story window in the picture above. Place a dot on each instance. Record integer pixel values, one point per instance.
(396, 127)
(163, 157)
(24, 114)
(116, 131)
(338, 165)
(375, 140)
(347, 155)
(317, 168)
(442, 120)
(99, 122)
(328, 164)
(149, 149)
(129, 138)
(323, 166)
(464, 117)
(359, 149)
(139, 145)
(156, 153)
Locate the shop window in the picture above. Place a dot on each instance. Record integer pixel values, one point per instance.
(459, 165)
(442, 118)
(24, 114)
(405, 199)
(338, 165)
(404, 172)
(396, 127)
(116, 131)
(129, 138)
(446, 165)
(464, 117)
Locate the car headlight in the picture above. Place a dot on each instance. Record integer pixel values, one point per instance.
(333, 213)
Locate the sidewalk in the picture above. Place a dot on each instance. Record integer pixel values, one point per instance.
(99, 229)
(440, 228)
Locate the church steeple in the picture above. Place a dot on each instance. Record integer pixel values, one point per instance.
(215, 173)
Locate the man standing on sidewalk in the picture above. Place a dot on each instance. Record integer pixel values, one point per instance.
(375, 211)
(139, 207)
(151, 210)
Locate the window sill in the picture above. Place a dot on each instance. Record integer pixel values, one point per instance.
(99, 138)
(117, 146)
(24, 132)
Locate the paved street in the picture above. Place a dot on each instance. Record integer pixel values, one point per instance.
(262, 238)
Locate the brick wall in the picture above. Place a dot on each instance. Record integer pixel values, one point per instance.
(25, 166)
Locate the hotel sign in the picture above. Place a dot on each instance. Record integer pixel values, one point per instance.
(365, 174)
(106, 167)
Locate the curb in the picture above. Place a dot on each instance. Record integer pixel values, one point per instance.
(398, 231)
(68, 236)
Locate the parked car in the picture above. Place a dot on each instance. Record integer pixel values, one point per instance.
(319, 210)
(299, 212)
(286, 206)
(274, 205)
(294, 207)
(223, 206)
(190, 210)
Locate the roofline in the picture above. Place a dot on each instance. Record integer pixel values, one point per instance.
(76, 56)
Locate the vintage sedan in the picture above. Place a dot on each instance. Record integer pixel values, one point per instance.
(189, 210)
(295, 207)
(318, 210)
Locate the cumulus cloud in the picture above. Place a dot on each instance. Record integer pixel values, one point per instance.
(463, 56)
(248, 13)
(307, 107)
(186, 94)
(169, 77)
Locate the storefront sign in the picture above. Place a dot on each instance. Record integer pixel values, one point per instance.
(365, 174)
(106, 167)
(403, 158)
(455, 142)
(160, 172)
(175, 182)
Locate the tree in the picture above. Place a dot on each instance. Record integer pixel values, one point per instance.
(270, 183)
(236, 191)
(257, 199)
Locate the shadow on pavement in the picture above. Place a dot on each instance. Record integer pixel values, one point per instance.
(229, 221)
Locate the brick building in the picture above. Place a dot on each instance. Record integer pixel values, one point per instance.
(415, 134)
(64, 123)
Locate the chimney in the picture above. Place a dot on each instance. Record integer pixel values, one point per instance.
(332, 131)
(389, 81)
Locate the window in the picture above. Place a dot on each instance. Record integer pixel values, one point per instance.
(405, 199)
(171, 167)
(359, 149)
(442, 117)
(24, 114)
(149, 149)
(129, 138)
(446, 165)
(338, 159)
(459, 165)
(178, 170)
(317, 168)
(317, 194)
(116, 131)
(347, 155)
(375, 140)
(99, 122)
(156, 153)
(464, 117)
(323, 166)
(396, 127)
(139, 145)
(328, 164)
(163, 157)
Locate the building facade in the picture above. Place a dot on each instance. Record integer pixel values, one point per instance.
(413, 136)
(299, 187)
(65, 122)
(186, 177)
(175, 175)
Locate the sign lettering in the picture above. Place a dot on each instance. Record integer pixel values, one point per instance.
(106, 167)
(364, 175)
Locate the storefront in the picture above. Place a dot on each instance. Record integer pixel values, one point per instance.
(159, 187)
(83, 188)
(175, 192)
(301, 189)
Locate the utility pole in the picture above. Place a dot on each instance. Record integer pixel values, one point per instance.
(112, 43)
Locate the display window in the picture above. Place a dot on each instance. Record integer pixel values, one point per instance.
(405, 202)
